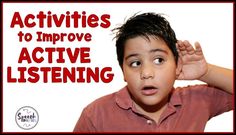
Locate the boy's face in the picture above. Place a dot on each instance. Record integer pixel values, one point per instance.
(149, 69)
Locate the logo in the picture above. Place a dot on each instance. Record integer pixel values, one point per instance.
(27, 117)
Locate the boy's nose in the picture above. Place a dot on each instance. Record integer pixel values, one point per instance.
(147, 73)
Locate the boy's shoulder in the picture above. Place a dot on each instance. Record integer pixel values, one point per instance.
(115, 97)
(198, 91)
(108, 100)
(197, 88)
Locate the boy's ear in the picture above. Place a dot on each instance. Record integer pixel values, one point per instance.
(124, 79)
(123, 75)
(178, 68)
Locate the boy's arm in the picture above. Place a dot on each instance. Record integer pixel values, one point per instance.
(84, 124)
(193, 66)
(219, 77)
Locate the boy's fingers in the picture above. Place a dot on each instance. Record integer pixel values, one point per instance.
(198, 50)
(177, 48)
(189, 47)
(181, 48)
(179, 53)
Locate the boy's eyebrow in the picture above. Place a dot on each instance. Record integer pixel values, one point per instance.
(131, 55)
(151, 51)
(158, 50)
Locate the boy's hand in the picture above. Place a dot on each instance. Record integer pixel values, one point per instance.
(191, 61)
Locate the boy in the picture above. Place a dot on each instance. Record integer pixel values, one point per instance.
(152, 59)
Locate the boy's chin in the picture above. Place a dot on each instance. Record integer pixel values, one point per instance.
(151, 101)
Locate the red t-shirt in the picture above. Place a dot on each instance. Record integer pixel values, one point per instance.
(188, 110)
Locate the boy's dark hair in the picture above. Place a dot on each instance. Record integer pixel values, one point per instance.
(146, 24)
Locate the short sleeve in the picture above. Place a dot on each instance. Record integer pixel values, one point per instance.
(84, 124)
(220, 101)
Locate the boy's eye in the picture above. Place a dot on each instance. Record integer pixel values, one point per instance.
(158, 61)
(135, 64)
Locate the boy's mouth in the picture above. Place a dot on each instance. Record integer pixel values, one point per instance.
(149, 90)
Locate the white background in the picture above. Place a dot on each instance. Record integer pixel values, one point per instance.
(59, 105)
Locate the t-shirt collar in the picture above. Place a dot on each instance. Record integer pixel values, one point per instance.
(123, 99)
